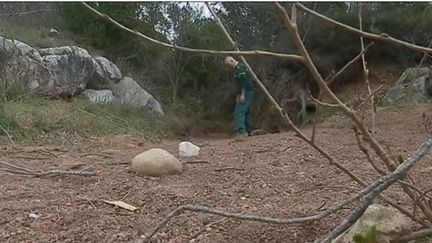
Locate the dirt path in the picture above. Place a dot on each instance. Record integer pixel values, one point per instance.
(273, 175)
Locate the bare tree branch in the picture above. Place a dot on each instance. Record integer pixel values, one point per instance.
(383, 37)
(377, 187)
(299, 133)
(203, 51)
(366, 72)
(376, 146)
(246, 216)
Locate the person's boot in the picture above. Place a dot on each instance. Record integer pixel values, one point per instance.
(240, 136)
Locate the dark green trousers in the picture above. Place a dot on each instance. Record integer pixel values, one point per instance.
(242, 114)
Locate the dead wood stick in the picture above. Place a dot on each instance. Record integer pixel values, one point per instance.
(379, 186)
(362, 52)
(362, 148)
(244, 216)
(197, 162)
(370, 95)
(229, 168)
(382, 37)
(366, 72)
(181, 48)
(367, 195)
(39, 173)
(206, 227)
(96, 154)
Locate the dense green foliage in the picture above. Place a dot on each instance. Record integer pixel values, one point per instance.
(199, 85)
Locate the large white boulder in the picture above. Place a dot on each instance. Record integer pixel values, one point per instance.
(128, 91)
(156, 162)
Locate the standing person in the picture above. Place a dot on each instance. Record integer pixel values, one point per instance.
(245, 95)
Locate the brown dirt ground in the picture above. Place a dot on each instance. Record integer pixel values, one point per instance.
(275, 175)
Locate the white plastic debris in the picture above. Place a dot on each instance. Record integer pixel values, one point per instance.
(34, 216)
(188, 149)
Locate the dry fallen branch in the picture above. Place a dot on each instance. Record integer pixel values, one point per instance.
(367, 195)
(15, 169)
(244, 216)
(379, 186)
(182, 48)
(383, 37)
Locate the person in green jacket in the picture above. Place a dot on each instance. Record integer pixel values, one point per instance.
(245, 95)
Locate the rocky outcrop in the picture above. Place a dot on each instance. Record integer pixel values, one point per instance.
(389, 223)
(69, 71)
(127, 91)
(414, 86)
(104, 96)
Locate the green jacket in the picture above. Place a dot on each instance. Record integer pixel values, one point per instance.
(243, 78)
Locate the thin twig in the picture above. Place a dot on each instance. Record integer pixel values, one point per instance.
(228, 168)
(366, 153)
(382, 37)
(197, 162)
(27, 12)
(323, 103)
(362, 52)
(206, 227)
(203, 51)
(88, 200)
(39, 173)
(370, 95)
(366, 72)
(7, 134)
(95, 154)
(425, 55)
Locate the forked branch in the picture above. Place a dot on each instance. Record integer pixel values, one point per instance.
(182, 48)
(383, 37)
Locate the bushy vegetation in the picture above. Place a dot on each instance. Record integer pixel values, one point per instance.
(49, 121)
(196, 90)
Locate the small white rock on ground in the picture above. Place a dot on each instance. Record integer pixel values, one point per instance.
(156, 162)
(188, 149)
